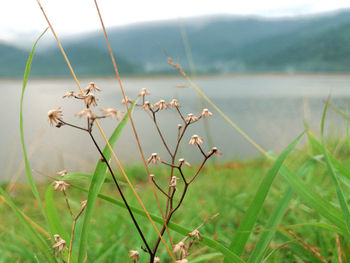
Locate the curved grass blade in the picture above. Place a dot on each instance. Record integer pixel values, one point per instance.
(82, 176)
(28, 170)
(343, 204)
(244, 230)
(314, 200)
(206, 257)
(37, 239)
(177, 228)
(274, 220)
(97, 182)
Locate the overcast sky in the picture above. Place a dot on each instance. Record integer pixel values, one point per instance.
(23, 17)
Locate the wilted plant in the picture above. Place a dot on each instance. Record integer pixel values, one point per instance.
(175, 167)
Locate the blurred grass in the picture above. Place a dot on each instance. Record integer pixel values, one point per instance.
(227, 188)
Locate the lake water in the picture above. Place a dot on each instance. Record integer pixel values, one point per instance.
(269, 108)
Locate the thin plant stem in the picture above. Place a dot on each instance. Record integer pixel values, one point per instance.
(68, 206)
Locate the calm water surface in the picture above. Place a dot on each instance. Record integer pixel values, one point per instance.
(270, 108)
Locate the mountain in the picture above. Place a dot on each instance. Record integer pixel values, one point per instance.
(218, 44)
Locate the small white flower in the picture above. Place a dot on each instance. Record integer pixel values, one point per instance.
(54, 115)
(62, 173)
(83, 204)
(60, 243)
(191, 118)
(179, 247)
(174, 103)
(91, 99)
(61, 185)
(134, 255)
(154, 158)
(156, 260)
(110, 112)
(182, 261)
(126, 100)
(147, 105)
(173, 181)
(183, 161)
(144, 92)
(69, 94)
(91, 87)
(195, 233)
(161, 105)
(215, 151)
(195, 139)
(88, 113)
(206, 113)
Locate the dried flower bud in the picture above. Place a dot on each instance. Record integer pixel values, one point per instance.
(62, 173)
(173, 181)
(61, 185)
(182, 261)
(83, 204)
(179, 126)
(182, 161)
(69, 94)
(147, 105)
(161, 105)
(154, 158)
(60, 243)
(156, 260)
(195, 233)
(191, 118)
(110, 112)
(179, 247)
(134, 255)
(216, 151)
(144, 92)
(88, 113)
(195, 139)
(206, 113)
(174, 103)
(91, 99)
(152, 175)
(91, 87)
(126, 100)
(54, 115)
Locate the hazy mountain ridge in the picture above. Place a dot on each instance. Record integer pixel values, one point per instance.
(218, 44)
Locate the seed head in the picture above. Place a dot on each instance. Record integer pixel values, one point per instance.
(154, 158)
(60, 243)
(173, 181)
(180, 247)
(206, 113)
(61, 185)
(182, 161)
(69, 94)
(156, 260)
(174, 103)
(195, 233)
(134, 255)
(54, 115)
(161, 105)
(147, 105)
(110, 112)
(83, 204)
(91, 99)
(195, 139)
(191, 118)
(144, 92)
(62, 173)
(216, 151)
(88, 113)
(126, 100)
(91, 87)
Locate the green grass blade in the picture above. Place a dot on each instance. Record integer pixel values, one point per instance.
(244, 230)
(96, 184)
(52, 215)
(313, 200)
(36, 238)
(206, 257)
(175, 227)
(274, 220)
(343, 204)
(27, 166)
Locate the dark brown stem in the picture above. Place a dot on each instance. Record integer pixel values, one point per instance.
(160, 134)
(160, 189)
(67, 202)
(71, 125)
